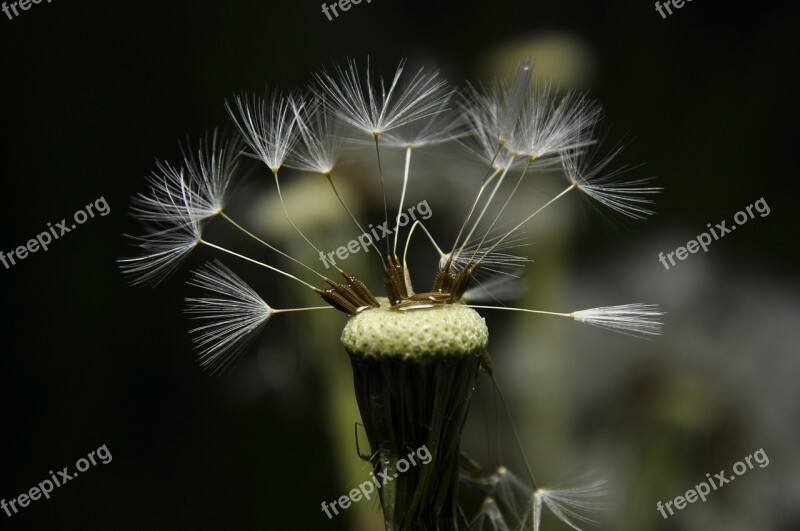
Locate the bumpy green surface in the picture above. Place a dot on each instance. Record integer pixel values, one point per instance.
(451, 330)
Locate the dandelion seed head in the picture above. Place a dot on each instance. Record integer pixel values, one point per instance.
(508, 126)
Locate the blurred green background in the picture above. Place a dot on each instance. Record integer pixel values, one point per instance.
(94, 91)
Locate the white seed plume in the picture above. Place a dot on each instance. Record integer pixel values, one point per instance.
(195, 191)
(321, 136)
(547, 126)
(498, 260)
(509, 99)
(632, 319)
(358, 102)
(517, 506)
(232, 316)
(629, 198)
(489, 518)
(482, 117)
(572, 506)
(163, 251)
(267, 124)
(210, 169)
(444, 125)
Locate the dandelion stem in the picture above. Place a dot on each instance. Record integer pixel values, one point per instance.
(286, 310)
(296, 261)
(514, 191)
(383, 187)
(483, 212)
(408, 240)
(271, 268)
(285, 211)
(341, 200)
(514, 430)
(557, 314)
(402, 199)
(484, 184)
(524, 221)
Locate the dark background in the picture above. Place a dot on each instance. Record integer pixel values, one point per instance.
(92, 92)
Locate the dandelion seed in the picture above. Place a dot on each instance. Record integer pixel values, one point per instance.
(481, 116)
(233, 315)
(629, 198)
(489, 518)
(322, 137)
(163, 252)
(267, 124)
(210, 169)
(441, 126)
(638, 320)
(632, 319)
(573, 506)
(520, 507)
(356, 102)
(196, 191)
(548, 127)
(509, 99)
